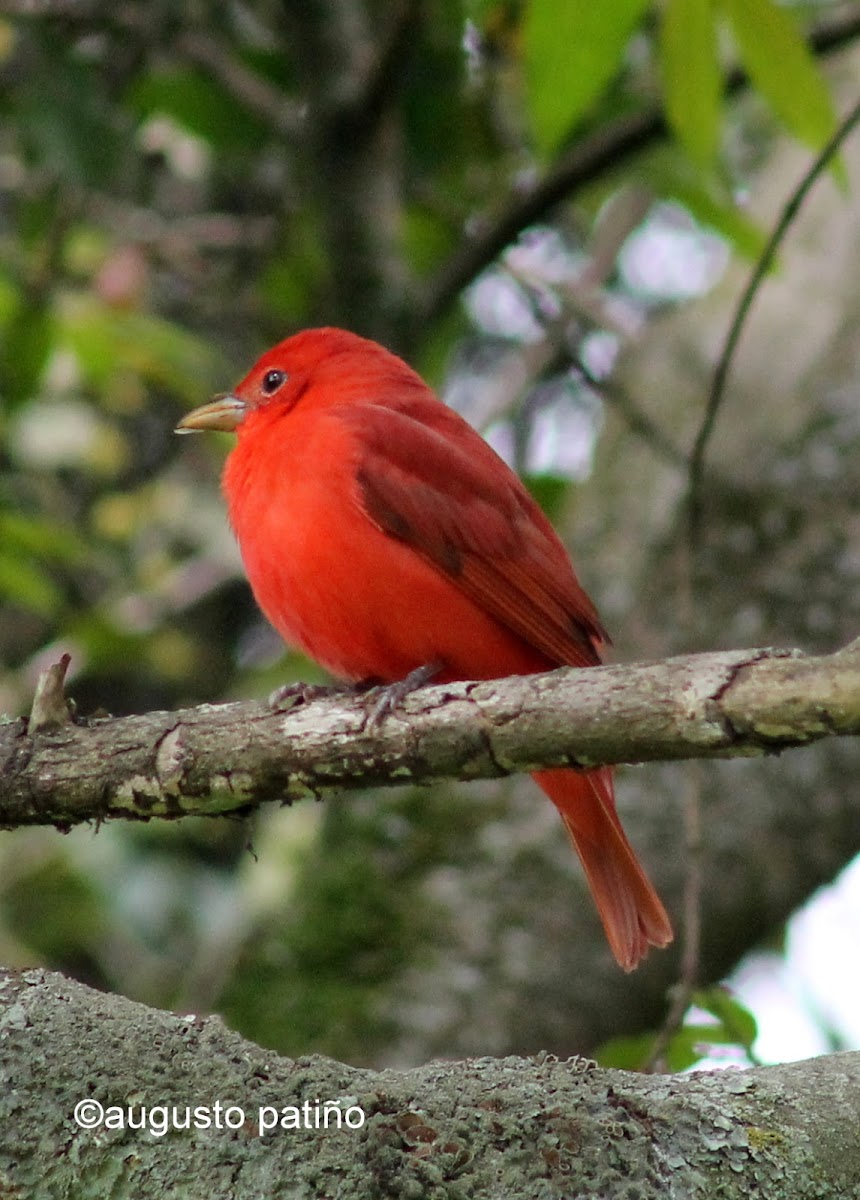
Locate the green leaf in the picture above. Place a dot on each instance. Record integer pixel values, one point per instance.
(28, 585)
(26, 540)
(433, 95)
(691, 76)
(572, 49)
(295, 271)
(37, 536)
(738, 1023)
(550, 491)
(56, 911)
(734, 1025)
(625, 1053)
(706, 195)
(199, 105)
(63, 115)
(28, 342)
(105, 340)
(104, 644)
(719, 212)
(426, 239)
(782, 67)
(691, 1043)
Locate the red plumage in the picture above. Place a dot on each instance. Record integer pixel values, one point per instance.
(381, 534)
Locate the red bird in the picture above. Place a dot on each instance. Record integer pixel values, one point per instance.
(382, 535)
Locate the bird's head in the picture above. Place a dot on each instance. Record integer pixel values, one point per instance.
(328, 366)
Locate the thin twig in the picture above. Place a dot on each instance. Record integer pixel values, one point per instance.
(283, 114)
(718, 385)
(582, 163)
(638, 421)
(681, 993)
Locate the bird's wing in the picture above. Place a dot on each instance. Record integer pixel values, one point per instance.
(426, 478)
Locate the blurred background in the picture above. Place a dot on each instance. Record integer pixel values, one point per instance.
(550, 209)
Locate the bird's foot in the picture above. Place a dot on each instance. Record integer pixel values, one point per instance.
(291, 695)
(383, 699)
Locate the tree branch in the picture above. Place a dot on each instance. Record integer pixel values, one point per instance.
(586, 160)
(231, 757)
(284, 115)
(482, 1127)
(582, 163)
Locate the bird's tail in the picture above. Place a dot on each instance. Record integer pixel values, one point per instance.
(629, 908)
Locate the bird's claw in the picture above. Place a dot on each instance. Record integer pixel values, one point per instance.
(292, 695)
(384, 699)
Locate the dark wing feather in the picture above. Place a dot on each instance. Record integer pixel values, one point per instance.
(429, 480)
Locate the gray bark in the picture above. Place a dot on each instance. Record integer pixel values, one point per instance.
(221, 758)
(533, 1128)
(515, 960)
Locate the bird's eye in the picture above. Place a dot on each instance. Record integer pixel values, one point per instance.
(272, 380)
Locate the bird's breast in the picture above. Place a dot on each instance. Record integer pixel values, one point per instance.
(353, 598)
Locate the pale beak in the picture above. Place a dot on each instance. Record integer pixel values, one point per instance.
(224, 412)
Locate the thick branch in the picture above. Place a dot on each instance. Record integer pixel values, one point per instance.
(220, 758)
(511, 1127)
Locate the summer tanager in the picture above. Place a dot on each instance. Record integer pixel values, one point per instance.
(382, 535)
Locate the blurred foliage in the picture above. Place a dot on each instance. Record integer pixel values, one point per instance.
(718, 1026)
(355, 920)
(180, 185)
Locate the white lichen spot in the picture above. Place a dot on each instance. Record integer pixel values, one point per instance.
(693, 702)
(169, 761)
